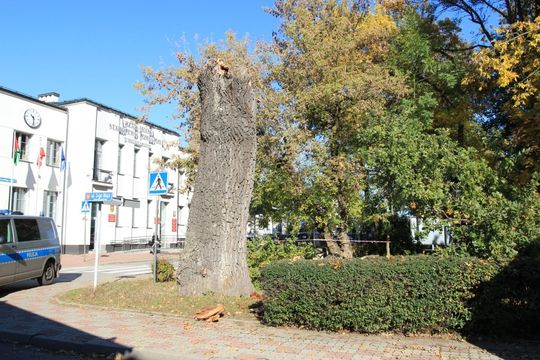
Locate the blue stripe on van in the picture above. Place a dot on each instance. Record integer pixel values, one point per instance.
(29, 254)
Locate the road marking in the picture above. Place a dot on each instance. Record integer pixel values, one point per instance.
(121, 270)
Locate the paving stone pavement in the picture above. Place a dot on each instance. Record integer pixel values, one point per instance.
(31, 315)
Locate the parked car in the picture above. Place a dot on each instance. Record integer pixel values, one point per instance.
(29, 249)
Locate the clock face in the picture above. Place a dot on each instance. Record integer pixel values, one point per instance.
(32, 118)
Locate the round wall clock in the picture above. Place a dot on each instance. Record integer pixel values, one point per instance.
(32, 118)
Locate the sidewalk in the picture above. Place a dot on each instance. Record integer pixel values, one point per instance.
(31, 316)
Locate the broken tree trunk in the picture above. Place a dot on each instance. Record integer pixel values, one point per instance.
(214, 259)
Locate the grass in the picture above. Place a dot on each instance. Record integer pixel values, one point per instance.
(145, 295)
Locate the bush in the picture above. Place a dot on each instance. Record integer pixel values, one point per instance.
(405, 294)
(509, 304)
(165, 271)
(264, 250)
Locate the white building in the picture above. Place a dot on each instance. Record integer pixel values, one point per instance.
(105, 150)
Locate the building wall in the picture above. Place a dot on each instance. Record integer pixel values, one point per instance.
(129, 152)
(77, 125)
(27, 175)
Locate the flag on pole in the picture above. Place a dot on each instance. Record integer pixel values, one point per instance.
(16, 151)
(62, 159)
(41, 155)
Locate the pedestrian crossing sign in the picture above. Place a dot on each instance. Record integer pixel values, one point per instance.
(85, 207)
(157, 183)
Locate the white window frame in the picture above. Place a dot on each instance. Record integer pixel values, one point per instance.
(50, 201)
(23, 139)
(120, 151)
(18, 199)
(53, 152)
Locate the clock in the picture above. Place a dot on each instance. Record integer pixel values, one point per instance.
(32, 118)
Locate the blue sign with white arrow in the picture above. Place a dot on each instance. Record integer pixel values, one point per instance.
(157, 184)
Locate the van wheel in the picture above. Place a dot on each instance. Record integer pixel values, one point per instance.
(48, 274)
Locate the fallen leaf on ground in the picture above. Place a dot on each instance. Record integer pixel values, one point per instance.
(256, 296)
(210, 312)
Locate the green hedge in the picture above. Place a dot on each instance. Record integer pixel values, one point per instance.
(509, 304)
(406, 294)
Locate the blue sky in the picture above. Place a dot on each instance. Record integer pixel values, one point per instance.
(95, 49)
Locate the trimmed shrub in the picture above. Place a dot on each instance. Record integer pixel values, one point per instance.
(509, 304)
(404, 294)
(165, 271)
(264, 250)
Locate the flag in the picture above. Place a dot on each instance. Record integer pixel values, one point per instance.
(62, 159)
(16, 151)
(41, 155)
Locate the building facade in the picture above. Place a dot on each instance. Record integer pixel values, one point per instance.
(71, 148)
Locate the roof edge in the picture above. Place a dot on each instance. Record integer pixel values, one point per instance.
(119, 112)
(56, 106)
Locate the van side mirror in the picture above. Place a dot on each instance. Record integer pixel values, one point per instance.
(3, 239)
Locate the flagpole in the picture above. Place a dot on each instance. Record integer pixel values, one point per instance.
(64, 199)
(37, 180)
(10, 195)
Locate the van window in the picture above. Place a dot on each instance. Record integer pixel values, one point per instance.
(27, 229)
(5, 230)
(47, 230)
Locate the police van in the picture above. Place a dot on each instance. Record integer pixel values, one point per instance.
(29, 249)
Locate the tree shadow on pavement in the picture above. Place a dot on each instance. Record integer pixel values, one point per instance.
(29, 284)
(27, 328)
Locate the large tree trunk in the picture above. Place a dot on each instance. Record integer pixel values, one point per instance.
(214, 259)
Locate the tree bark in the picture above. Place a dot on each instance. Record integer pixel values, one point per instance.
(214, 259)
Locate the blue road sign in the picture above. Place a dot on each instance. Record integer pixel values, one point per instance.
(157, 183)
(8, 180)
(98, 196)
(85, 206)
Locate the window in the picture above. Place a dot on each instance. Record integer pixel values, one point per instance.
(18, 197)
(47, 230)
(98, 153)
(23, 140)
(133, 218)
(150, 161)
(5, 230)
(120, 149)
(50, 199)
(53, 153)
(149, 215)
(135, 156)
(163, 216)
(27, 229)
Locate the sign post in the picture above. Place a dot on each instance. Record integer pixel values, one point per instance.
(97, 240)
(157, 185)
(99, 198)
(85, 209)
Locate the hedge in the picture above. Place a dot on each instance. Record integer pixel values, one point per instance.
(509, 304)
(404, 294)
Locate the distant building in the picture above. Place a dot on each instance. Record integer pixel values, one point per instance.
(71, 148)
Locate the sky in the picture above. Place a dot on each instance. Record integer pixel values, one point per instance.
(95, 49)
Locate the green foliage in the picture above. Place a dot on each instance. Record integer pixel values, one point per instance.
(404, 294)
(509, 304)
(264, 250)
(165, 271)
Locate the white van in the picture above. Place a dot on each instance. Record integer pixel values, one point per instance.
(29, 249)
